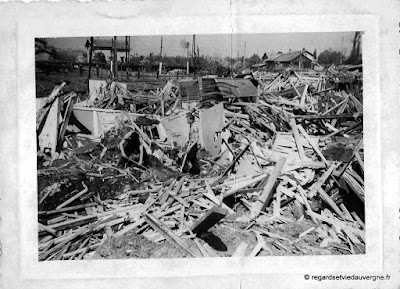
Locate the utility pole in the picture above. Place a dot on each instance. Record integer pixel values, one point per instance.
(244, 56)
(198, 57)
(115, 58)
(160, 62)
(126, 56)
(90, 56)
(187, 56)
(341, 53)
(193, 54)
(161, 48)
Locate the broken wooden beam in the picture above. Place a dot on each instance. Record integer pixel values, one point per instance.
(41, 114)
(237, 157)
(73, 223)
(296, 135)
(70, 200)
(330, 116)
(316, 149)
(241, 250)
(47, 229)
(209, 219)
(321, 181)
(65, 121)
(237, 187)
(164, 230)
(266, 195)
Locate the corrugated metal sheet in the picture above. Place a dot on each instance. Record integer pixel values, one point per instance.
(237, 87)
(189, 90)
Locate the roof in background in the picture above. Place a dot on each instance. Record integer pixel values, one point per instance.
(287, 57)
(106, 44)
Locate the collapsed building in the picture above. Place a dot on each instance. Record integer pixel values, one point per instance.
(281, 169)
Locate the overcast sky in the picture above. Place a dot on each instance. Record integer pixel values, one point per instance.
(226, 44)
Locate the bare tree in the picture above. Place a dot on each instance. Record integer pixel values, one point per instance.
(185, 45)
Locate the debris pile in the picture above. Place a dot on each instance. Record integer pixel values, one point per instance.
(281, 173)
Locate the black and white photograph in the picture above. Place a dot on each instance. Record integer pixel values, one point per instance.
(229, 144)
(191, 146)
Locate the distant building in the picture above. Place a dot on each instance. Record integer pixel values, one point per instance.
(264, 57)
(301, 59)
(80, 58)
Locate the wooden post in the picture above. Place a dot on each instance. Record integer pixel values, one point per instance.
(161, 49)
(244, 56)
(193, 55)
(297, 139)
(90, 58)
(126, 57)
(115, 58)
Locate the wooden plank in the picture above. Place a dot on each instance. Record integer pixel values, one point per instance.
(210, 250)
(335, 107)
(354, 185)
(48, 134)
(46, 106)
(262, 202)
(203, 251)
(70, 200)
(296, 135)
(47, 229)
(331, 116)
(243, 184)
(330, 202)
(339, 224)
(209, 219)
(241, 250)
(211, 196)
(228, 113)
(145, 191)
(346, 212)
(303, 195)
(339, 112)
(260, 245)
(316, 149)
(316, 186)
(140, 222)
(64, 249)
(73, 223)
(160, 227)
(237, 157)
(65, 121)
(360, 161)
(309, 230)
(303, 96)
(357, 218)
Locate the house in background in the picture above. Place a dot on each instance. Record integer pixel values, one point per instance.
(301, 59)
(42, 53)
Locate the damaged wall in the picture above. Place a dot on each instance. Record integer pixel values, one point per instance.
(212, 121)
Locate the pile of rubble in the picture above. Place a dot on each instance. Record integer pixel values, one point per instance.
(282, 173)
